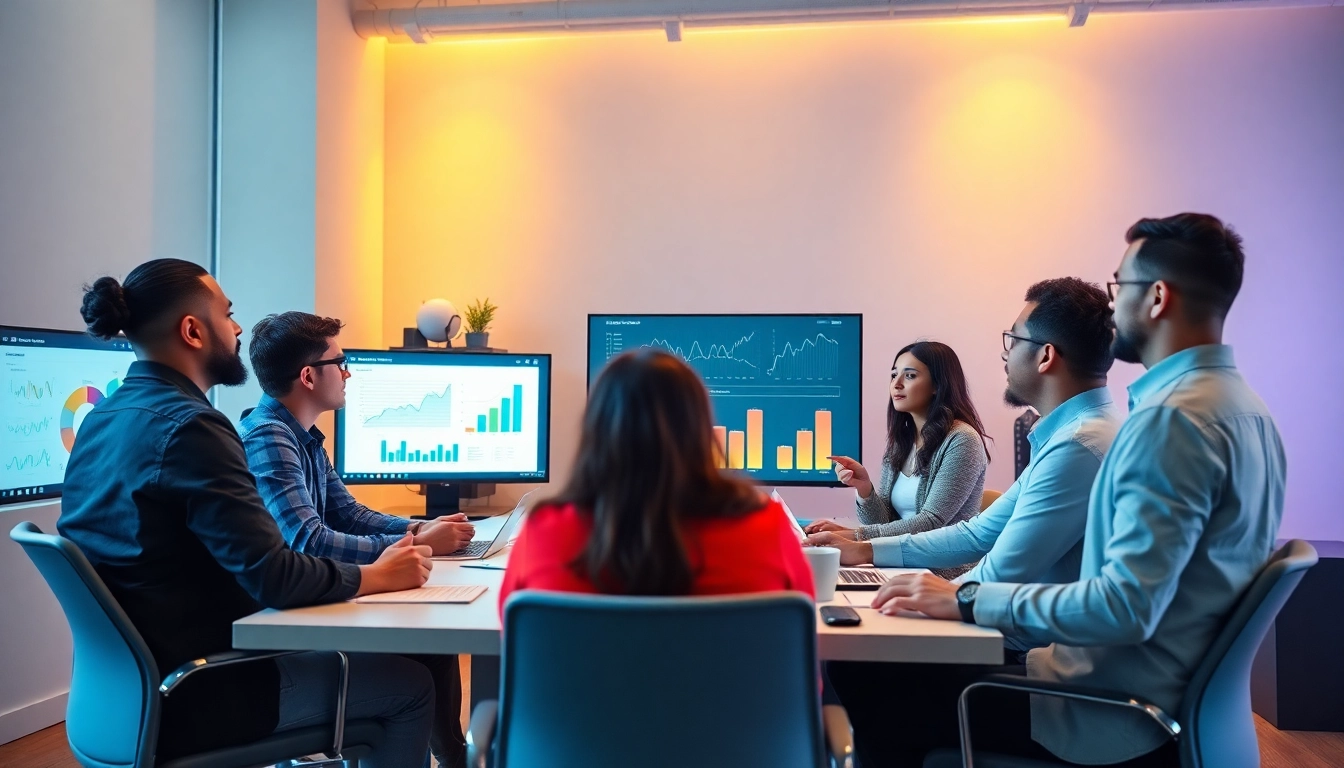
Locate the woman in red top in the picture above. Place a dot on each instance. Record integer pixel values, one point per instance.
(646, 510)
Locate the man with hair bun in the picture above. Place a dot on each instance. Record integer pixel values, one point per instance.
(158, 497)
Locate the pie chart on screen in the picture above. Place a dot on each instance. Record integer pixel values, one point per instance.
(76, 407)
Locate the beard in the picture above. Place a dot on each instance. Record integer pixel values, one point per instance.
(1013, 400)
(1126, 347)
(226, 367)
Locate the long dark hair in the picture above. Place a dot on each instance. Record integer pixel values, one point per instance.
(647, 461)
(951, 403)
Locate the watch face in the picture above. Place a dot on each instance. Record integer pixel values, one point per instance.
(966, 592)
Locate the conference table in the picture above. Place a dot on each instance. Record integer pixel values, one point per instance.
(474, 629)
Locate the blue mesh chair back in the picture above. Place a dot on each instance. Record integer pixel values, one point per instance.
(1216, 712)
(112, 716)
(659, 681)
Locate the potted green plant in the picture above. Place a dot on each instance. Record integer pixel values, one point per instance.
(479, 316)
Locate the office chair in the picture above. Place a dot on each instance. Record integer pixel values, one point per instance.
(1021, 445)
(989, 497)
(112, 716)
(592, 680)
(1218, 730)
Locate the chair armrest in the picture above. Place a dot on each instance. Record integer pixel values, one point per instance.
(214, 661)
(839, 735)
(481, 732)
(1079, 693)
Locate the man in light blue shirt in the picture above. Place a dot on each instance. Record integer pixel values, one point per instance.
(1055, 357)
(1183, 515)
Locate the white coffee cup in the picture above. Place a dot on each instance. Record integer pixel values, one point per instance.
(825, 562)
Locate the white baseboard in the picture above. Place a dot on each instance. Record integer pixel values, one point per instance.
(32, 718)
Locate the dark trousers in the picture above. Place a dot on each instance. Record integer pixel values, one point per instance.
(446, 741)
(901, 712)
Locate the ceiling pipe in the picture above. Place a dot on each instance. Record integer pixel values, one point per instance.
(423, 24)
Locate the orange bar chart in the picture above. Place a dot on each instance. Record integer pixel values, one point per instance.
(804, 449)
(784, 457)
(736, 449)
(755, 438)
(823, 426)
(721, 437)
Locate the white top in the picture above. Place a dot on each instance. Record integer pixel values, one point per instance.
(903, 494)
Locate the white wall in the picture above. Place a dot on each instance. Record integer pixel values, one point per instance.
(104, 163)
(268, 166)
(923, 174)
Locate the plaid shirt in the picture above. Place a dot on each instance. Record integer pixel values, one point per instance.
(315, 512)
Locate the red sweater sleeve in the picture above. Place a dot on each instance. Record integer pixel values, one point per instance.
(515, 575)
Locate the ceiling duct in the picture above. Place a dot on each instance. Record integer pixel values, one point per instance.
(426, 23)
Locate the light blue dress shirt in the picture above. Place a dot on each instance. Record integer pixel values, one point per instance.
(1034, 531)
(1182, 516)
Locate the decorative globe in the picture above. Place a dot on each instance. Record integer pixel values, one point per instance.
(438, 320)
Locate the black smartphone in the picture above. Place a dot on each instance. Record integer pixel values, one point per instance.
(840, 616)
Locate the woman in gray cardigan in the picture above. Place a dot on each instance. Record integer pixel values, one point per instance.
(934, 469)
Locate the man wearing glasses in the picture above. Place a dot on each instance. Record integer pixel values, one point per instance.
(302, 373)
(1056, 357)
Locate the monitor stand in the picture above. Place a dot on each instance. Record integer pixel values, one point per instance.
(445, 498)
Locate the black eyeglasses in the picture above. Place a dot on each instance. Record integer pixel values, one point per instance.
(1113, 287)
(1009, 338)
(339, 362)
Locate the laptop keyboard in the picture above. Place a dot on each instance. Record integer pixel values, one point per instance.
(862, 576)
(474, 549)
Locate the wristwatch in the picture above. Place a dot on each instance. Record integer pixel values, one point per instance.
(966, 600)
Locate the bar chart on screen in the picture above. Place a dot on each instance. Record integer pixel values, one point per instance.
(785, 389)
(421, 416)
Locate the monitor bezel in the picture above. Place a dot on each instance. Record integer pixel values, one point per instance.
(4, 330)
(497, 478)
(833, 483)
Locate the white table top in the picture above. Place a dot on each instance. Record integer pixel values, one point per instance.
(475, 628)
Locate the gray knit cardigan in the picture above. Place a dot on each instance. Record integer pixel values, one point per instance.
(948, 494)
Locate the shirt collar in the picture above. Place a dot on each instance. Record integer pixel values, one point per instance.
(1067, 411)
(279, 411)
(1174, 366)
(153, 370)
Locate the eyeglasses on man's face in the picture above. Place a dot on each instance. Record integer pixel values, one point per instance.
(1009, 338)
(339, 362)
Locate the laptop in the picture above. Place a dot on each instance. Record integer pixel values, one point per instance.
(848, 578)
(480, 549)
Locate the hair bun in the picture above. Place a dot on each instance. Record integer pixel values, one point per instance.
(104, 308)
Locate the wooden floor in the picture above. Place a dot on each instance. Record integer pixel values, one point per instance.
(1278, 749)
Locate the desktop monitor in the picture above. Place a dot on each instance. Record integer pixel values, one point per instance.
(437, 417)
(52, 380)
(786, 389)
